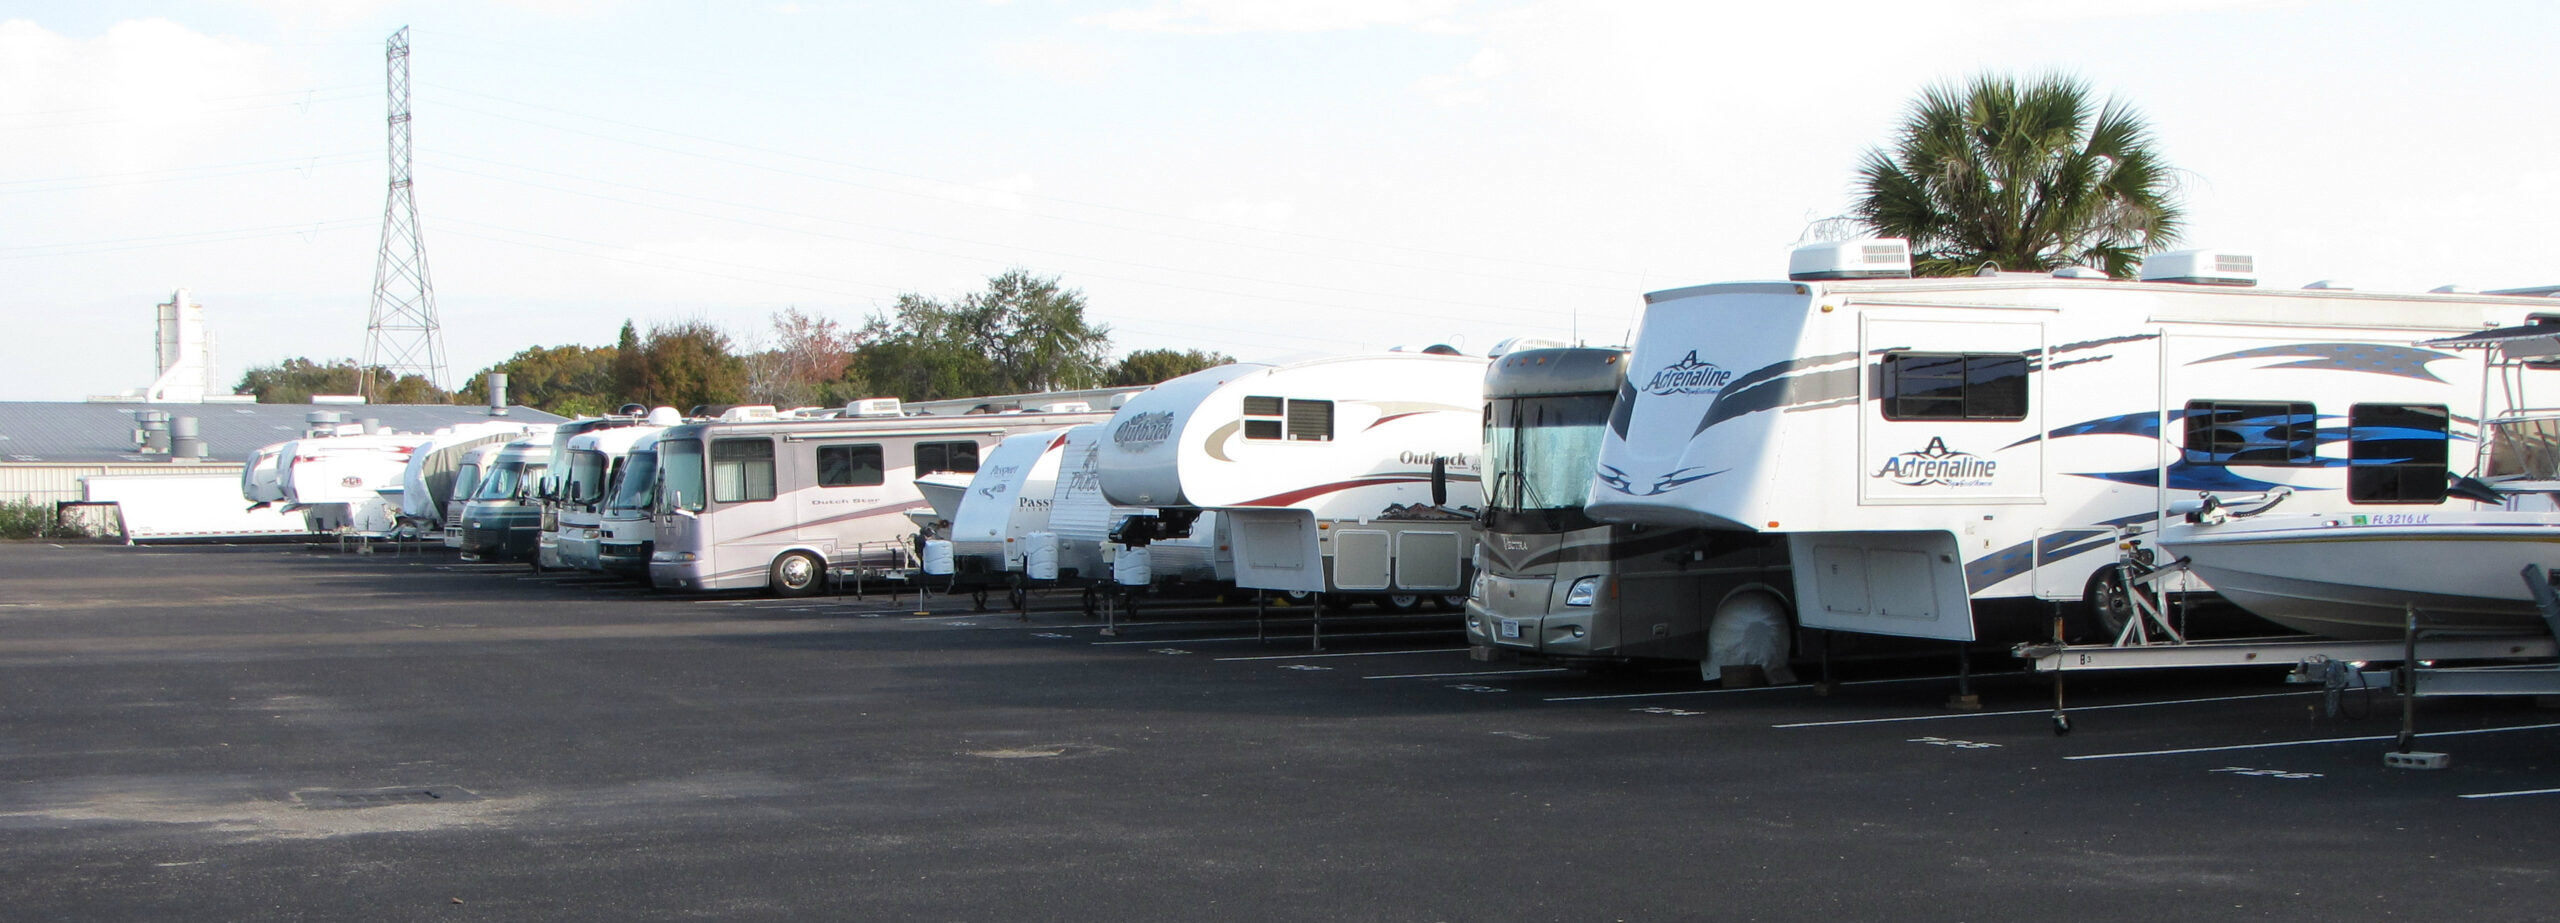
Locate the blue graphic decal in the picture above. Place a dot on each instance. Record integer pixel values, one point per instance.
(2401, 361)
(1618, 481)
(1984, 572)
(2185, 476)
(2145, 423)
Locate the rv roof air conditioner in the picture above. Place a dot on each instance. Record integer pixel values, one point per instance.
(874, 407)
(2329, 285)
(752, 413)
(1870, 258)
(2079, 272)
(2201, 267)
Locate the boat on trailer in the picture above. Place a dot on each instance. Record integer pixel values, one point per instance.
(2365, 575)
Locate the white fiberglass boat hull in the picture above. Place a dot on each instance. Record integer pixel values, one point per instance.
(2355, 576)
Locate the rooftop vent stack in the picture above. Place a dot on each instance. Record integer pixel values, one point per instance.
(153, 437)
(2201, 267)
(186, 442)
(322, 422)
(1870, 258)
(368, 426)
(497, 394)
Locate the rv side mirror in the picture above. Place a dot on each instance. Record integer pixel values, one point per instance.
(1440, 481)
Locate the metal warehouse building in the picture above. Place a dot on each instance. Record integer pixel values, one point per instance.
(46, 448)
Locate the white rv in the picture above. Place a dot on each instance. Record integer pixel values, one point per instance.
(1084, 522)
(1943, 458)
(1323, 471)
(625, 531)
(466, 484)
(590, 474)
(343, 483)
(1005, 504)
(749, 504)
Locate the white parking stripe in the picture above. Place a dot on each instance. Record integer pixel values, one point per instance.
(2037, 711)
(1478, 673)
(2298, 743)
(1648, 695)
(2529, 791)
(1436, 650)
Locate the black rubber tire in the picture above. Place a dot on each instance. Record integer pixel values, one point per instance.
(796, 574)
(2104, 607)
(1399, 602)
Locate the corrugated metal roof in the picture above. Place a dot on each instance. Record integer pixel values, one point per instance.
(33, 431)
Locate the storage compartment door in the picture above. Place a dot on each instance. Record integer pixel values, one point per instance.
(1909, 584)
(1431, 560)
(1360, 559)
(1275, 549)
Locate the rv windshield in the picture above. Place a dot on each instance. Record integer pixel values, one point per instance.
(465, 478)
(639, 482)
(1539, 453)
(680, 465)
(506, 477)
(586, 476)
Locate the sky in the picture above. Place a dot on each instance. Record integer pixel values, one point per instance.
(1269, 179)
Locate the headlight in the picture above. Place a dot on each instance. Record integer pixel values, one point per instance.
(1583, 591)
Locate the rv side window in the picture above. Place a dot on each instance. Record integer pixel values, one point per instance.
(849, 466)
(1943, 386)
(741, 470)
(946, 456)
(2251, 433)
(1296, 420)
(2396, 453)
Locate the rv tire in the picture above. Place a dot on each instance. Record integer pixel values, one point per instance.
(1753, 616)
(2104, 607)
(798, 573)
(1400, 602)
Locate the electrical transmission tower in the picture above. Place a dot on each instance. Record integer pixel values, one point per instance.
(402, 336)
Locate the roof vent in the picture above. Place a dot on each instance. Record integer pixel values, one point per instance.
(1066, 407)
(1870, 258)
(2201, 267)
(2329, 285)
(874, 407)
(664, 416)
(2078, 272)
(2452, 290)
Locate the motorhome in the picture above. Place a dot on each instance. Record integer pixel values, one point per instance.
(1323, 471)
(1544, 561)
(551, 491)
(503, 515)
(625, 531)
(466, 482)
(1948, 458)
(428, 484)
(591, 473)
(776, 503)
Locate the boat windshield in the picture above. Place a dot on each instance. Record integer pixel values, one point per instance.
(2524, 448)
(585, 484)
(639, 483)
(1539, 453)
(506, 478)
(680, 472)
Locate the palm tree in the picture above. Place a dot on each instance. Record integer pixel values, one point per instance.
(2025, 176)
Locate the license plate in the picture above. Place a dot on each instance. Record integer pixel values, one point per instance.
(1510, 630)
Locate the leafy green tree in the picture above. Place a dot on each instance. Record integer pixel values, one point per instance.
(295, 380)
(1023, 334)
(1153, 366)
(627, 361)
(688, 364)
(2030, 176)
(572, 381)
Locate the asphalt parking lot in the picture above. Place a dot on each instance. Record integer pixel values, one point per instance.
(274, 732)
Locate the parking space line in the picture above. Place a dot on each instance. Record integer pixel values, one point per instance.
(2529, 791)
(2036, 711)
(1648, 695)
(1436, 650)
(1477, 673)
(2297, 743)
(1347, 634)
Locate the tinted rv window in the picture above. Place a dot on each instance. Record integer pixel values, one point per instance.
(638, 490)
(2251, 433)
(586, 476)
(2396, 453)
(1286, 418)
(680, 473)
(849, 466)
(946, 456)
(1944, 386)
(741, 470)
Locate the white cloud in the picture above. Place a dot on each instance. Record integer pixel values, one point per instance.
(1003, 193)
(136, 97)
(1054, 59)
(1466, 85)
(1270, 215)
(1230, 16)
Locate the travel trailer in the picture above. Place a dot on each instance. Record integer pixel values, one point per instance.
(1323, 472)
(344, 484)
(776, 504)
(625, 531)
(1000, 514)
(1947, 458)
(591, 474)
(502, 517)
(1083, 522)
